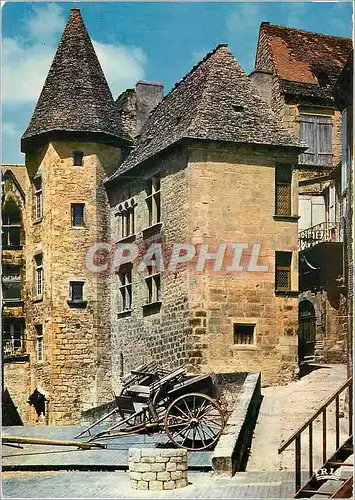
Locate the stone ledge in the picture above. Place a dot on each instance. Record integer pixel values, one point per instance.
(230, 452)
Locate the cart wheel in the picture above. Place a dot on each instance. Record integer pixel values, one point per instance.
(194, 421)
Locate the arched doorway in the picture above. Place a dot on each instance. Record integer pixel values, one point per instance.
(306, 330)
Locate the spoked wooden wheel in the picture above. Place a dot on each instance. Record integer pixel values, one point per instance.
(194, 421)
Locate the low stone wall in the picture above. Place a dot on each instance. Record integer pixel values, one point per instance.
(232, 448)
(157, 468)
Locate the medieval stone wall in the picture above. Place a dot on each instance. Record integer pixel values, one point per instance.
(16, 383)
(143, 334)
(232, 198)
(75, 372)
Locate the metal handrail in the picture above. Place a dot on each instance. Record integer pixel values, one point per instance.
(325, 232)
(296, 436)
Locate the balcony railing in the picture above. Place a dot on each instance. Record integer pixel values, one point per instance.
(326, 232)
(13, 348)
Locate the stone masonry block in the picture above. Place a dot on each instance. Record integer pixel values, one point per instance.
(177, 459)
(136, 475)
(148, 460)
(142, 467)
(181, 466)
(134, 484)
(176, 475)
(159, 467)
(161, 459)
(163, 476)
(150, 452)
(169, 485)
(181, 483)
(171, 466)
(156, 485)
(149, 476)
(143, 485)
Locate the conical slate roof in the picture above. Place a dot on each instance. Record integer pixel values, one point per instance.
(215, 101)
(75, 96)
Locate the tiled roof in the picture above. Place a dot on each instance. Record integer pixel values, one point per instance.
(306, 63)
(75, 96)
(215, 101)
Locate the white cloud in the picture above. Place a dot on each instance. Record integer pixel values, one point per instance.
(24, 70)
(122, 65)
(46, 23)
(26, 61)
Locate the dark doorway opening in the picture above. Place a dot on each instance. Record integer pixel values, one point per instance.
(307, 331)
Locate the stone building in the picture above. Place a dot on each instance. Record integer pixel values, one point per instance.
(343, 92)
(296, 70)
(212, 166)
(15, 356)
(208, 167)
(73, 141)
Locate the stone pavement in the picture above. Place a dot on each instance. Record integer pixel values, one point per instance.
(33, 457)
(286, 408)
(116, 485)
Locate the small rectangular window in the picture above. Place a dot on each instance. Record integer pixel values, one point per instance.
(153, 200)
(38, 199)
(283, 271)
(39, 342)
(283, 178)
(77, 214)
(244, 334)
(78, 158)
(76, 291)
(153, 283)
(125, 288)
(38, 275)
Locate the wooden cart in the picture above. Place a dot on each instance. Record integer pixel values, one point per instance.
(187, 409)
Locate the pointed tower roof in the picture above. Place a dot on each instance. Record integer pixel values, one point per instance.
(76, 96)
(215, 101)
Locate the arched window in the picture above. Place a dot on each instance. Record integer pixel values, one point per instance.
(11, 226)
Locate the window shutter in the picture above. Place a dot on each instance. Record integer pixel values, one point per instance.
(308, 127)
(316, 132)
(324, 140)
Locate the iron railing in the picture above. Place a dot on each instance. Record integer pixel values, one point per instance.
(296, 436)
(325, 232)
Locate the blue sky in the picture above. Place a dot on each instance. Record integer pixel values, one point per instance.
(151, 41)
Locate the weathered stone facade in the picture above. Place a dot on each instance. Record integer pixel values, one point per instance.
(16, 380)
(201, 203)
(300, 87)
(75, 371)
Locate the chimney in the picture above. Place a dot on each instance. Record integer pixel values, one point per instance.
(263, 82)
(148, 95)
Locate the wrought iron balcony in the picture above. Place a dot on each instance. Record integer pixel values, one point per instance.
(326, 232)
(13, 348)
